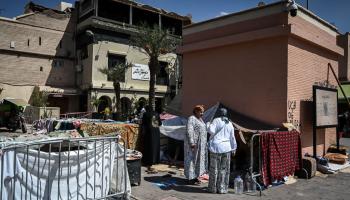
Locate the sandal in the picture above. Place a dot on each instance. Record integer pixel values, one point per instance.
(151, 171)
(194, 182)
(197, 182)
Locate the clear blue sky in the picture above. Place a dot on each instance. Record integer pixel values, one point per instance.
(333, 11)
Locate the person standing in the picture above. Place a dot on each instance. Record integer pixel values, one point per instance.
(195, 146)
(221, 143)
(151, 138)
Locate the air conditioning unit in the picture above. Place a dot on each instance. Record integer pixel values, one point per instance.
(79, 68)
(12, 44)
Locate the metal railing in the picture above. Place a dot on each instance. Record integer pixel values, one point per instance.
(79, 168)
(253, 173)
(77, 115)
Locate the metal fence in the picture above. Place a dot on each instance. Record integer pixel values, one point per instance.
(254, 170)
(77, 115)
(79, 168)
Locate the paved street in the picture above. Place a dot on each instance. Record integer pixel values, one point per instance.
(322, 186)
(334, 186)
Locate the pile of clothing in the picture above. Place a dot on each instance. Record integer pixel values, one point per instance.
(331, 162)
(129, 132)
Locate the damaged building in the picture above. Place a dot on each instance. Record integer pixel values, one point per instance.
(37, 49)
(103, 39)
(61, 50)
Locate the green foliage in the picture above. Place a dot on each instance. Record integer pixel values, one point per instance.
(39, 98)
(136, 104)
(117, 72)
(154, 42)
(95, 102)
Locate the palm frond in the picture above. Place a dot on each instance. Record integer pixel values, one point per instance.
(154, 40)
(116, 73)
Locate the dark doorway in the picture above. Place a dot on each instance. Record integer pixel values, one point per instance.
(58, 100)
(105, 102)
(126, 107)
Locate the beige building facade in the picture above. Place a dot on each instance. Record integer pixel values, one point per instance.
(37, 49)
(262, 63)
(62, 50)
(104, 38)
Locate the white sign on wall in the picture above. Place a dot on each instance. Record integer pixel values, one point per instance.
(326, 107)
(140, 72)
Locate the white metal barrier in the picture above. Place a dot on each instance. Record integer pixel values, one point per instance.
(63, 169)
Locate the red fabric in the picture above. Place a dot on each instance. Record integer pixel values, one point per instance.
(281, 155)
(165, 116)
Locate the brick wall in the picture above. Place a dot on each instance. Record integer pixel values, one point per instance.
(248, 77)
(308, 63)
(31, 63)
(49, 19)
(24, 70)
(267, 78)
(236, 28)
(20, 34)
(344, 64)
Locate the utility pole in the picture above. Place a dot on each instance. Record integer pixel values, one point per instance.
(307, 4)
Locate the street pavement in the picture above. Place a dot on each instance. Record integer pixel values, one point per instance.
(332, 187)
(335, 186)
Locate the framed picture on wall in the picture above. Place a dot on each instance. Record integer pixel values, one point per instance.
(325, 107)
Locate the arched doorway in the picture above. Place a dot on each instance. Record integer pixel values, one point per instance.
(141, 104)
(104, 102)
(125, 106)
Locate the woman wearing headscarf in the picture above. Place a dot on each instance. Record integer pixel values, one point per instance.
(222, 143)
(195, 146)
(151, 139)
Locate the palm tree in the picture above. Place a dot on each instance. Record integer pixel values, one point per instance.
(116, 74)
(154, 42)
(39, 98)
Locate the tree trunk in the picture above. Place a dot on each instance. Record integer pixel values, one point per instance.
(116, 86)
(153, 64)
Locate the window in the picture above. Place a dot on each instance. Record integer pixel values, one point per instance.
(12, 44)
(28, 42)
(162, 77)
(114, 61)
(60, 44)
(57, 63)
(39, 40)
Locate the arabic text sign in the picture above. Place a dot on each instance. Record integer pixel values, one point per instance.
(326, 107)
(140, 72)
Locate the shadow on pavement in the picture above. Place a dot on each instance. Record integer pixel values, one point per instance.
(175, 183)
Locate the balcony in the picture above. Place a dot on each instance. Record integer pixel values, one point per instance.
(124, 16)
(111, 25)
